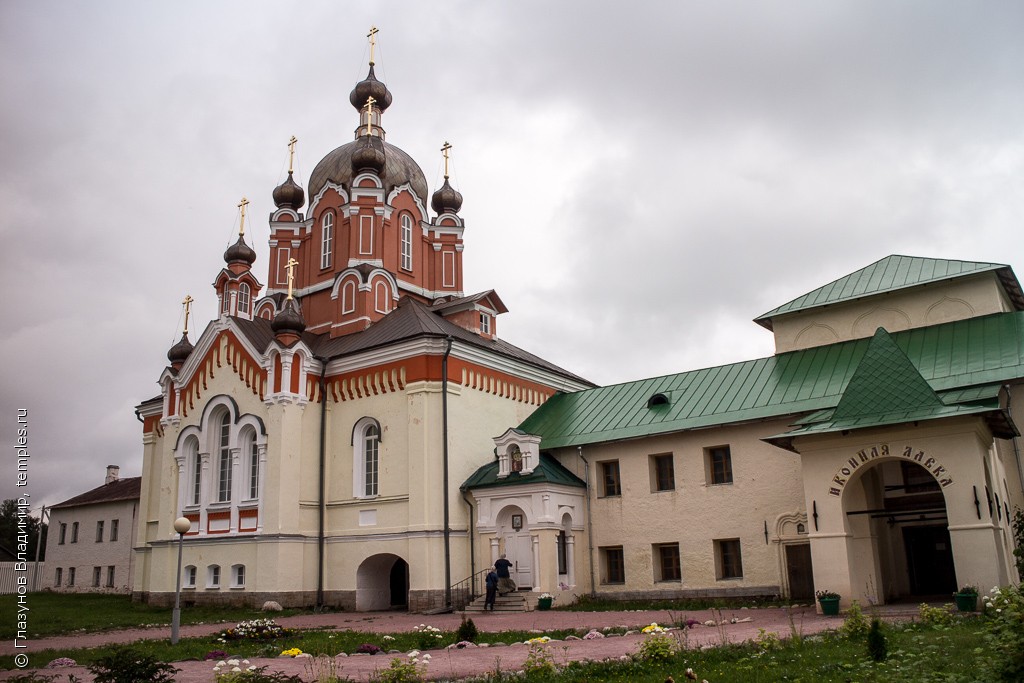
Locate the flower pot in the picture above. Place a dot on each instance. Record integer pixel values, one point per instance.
(544, 603)
(966, 602)
(829, 606)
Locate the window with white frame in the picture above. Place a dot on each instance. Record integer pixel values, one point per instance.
(225, 301)
(326, 240)
(213, 576)
(195, 465)
(485, 323)
(366, 458)
(254, 469)
(189, 577)
(224, 460)
(406, 260)
(244, 297)
(238, 576)
(381, 298)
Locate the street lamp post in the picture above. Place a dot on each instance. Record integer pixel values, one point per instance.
(181, 525)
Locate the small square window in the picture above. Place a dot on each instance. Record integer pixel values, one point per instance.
(728, 561)
(719, 465)
(666, 557)
(613, 565)
(610, 484)
(663, 474)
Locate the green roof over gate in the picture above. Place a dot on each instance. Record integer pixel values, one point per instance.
(891, 274)
(548, 471)
(957, 356)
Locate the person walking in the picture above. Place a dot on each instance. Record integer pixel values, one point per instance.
(492, 589)
(505, 582)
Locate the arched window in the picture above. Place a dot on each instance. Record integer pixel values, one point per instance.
(381, 297)
(189, 577)
(366, 458)
(213, 576)
(250, 452)
(243, 299)
(348, 296)
(326, 240)
(195, 471)
(238, 576)
(406, 260)
(224, 460)
(226, 301)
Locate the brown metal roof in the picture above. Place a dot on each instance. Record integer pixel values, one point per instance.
(122, 489)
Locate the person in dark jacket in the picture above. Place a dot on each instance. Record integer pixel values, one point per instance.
(492, 589)
(505, 582)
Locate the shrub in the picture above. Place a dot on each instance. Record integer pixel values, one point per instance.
(429, 638)
(1004, 632)
(231, 671)
(877, 648)
(409, 671)
(125, 665)
(657, 647)
(855, 625)
(937, 616)
(539, 660)
(256, 629)
(1018, 536)
(467, 631)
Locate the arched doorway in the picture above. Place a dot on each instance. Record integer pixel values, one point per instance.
(897, 519)
(517, 544)
(382, 583)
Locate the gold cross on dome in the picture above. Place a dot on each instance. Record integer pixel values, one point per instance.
(372, 35)
(291, 153)
(241, 223)
(290, 267)
(444, 150)
(369, 113)
(187, 303)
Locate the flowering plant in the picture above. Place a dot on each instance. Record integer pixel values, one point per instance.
(539, 640)
(826, 594)
(231, 671)
(60, 662)
(255, 629)
(653, 628)
(967, 590)
(547, 596)
(291, 652)
(429, 636)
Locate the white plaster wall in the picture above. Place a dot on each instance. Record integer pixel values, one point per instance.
(87, 553)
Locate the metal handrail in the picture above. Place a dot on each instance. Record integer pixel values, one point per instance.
(468, 589)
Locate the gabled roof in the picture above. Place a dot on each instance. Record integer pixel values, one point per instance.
(548, 471)
(952, 356)
(891, 274)
(128, 488)
(409, 320)
(490, 296)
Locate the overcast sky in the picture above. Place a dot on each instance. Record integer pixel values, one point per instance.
(641, 179)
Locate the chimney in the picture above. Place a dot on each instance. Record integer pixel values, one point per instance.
(112, 471)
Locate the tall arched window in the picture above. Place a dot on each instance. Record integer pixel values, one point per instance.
(348, 296)
(251, 463)
(226, 301)
(406, 260)
(366, 458)
(326, 240)
(195, 470)
(381, 296)
(243, 299)
(224, 460)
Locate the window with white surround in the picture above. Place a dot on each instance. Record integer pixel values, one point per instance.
(195, 470)
(226, 301)
(448, 268)
(189, 577)
(381, 297)
(366, 235)
(254, 470)
(326, 240)
(406, 257)
(244, 297)
(485, 323)
(366, 457)
(224, 460)
(238, 576)
(213, 576)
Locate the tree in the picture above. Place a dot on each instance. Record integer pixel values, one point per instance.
(10, 531)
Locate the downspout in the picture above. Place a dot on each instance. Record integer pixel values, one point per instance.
(472, 551)
(1015, 440)
(590, 523)
(444, 450)
(321, 522)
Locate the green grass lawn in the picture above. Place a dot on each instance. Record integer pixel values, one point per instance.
(59, 613)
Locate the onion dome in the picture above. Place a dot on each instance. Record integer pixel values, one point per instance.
(369, 155)
(240, 251)
(399, 169)
(447, 199)
(289, 320)
(370, 87)
(289, 194)
(179, 353)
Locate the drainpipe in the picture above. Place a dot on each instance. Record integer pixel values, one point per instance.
(444, 450)
(590, 524)
(320, 538)
(472, 545)
(1015, 440)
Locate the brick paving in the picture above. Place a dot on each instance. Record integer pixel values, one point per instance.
(452, 664)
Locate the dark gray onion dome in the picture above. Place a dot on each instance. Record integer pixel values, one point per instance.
(289, 319)
(446, 200)
(240, 251)
(399, 169)
(370, 87)
(180, 352)
(289, 194)
(369, 155)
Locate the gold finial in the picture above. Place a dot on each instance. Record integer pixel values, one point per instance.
(369, 113)
(290, 267)
(291, 153)
(444, 150)
(187, 303)
(372, 35)
(241, 222)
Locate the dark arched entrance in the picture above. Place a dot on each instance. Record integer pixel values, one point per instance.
(400, 584)
(382, 583)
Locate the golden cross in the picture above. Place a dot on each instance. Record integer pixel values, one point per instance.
(369, 113)
(241, 223)
(291, 153)
(290, 267)
(187, 303)
(444, 150)
(372, 35)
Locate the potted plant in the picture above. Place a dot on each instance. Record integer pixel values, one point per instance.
(544, 601)
(967, 599)
(829, 601)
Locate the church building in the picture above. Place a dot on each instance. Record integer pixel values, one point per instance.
(355, 434)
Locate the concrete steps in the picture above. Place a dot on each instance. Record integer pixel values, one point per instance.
(519, 601)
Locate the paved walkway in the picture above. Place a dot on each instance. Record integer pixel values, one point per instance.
(455, 664)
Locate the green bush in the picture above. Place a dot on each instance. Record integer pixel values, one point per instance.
(124, 665)
(855, 625)
(657, 647)
(937, 616)
(1004, 633)
(467, 631)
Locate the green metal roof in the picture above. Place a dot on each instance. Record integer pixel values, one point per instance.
(891, 274)
(953, 356)
(548, 471)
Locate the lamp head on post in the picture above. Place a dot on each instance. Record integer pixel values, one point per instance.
(182, 525)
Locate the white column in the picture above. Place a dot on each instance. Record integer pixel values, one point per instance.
(204, 491)
(570, 559)
(495, 549)
(536, 560)
(236, 487)
(180, 462)
(261, 454)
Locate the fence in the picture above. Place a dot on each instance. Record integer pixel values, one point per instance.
(10, 575)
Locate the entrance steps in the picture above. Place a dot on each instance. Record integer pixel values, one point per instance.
(518, 601)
